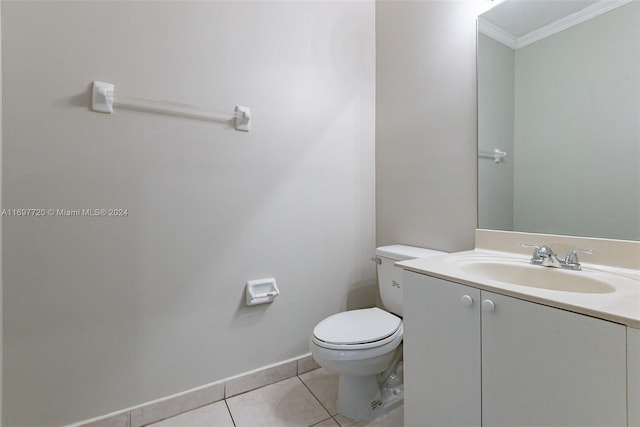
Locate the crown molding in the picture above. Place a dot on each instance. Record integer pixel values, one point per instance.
(510, 40)
(569, 21)
(498, 34)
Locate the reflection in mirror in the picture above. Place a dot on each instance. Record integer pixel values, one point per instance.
(559, 92)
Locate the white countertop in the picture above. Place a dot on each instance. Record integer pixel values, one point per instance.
(621, 306)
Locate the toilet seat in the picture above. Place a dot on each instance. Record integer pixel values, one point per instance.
(357, 329)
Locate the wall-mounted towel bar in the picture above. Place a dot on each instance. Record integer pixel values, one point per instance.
(103, 101)
(497, 155)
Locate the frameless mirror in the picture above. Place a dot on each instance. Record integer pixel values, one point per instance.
(559, 100)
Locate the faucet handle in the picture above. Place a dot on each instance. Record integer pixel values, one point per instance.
(535, 248)
(572, 257)
(543, 255)
(535, 257)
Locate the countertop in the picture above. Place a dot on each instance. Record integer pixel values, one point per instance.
(620, 306)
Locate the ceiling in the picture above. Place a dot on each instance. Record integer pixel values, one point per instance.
(517, 23)
(520, 17)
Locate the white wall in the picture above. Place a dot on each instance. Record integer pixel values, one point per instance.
(106, 313)
(577, 130)
(495, 130)
(426, 123)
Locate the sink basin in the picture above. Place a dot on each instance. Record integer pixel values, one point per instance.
(534, 276)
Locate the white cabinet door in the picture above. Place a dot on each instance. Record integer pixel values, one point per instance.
(441, 353)
(543, 366)
(633, 376)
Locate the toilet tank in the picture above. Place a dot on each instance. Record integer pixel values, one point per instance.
(390, 276)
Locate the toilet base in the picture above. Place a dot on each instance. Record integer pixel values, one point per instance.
(364, 398)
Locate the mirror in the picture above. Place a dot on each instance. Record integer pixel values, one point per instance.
(559, 94)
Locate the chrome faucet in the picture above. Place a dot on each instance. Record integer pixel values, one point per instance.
(544, 256)
(571, 260)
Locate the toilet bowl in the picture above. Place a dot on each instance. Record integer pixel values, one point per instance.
(358, 345)
(364, 347)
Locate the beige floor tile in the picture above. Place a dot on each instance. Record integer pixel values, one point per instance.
(285, 404)
(324, 385)
(215, 414)
(260, 378)
(394, 418)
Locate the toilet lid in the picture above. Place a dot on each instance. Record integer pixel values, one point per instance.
(357, 326)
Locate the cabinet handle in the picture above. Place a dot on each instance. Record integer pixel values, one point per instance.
(466, 300)
(488, 305)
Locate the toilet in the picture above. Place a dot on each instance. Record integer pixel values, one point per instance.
(364, 347)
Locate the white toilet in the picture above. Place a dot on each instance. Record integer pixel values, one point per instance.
(365, 346)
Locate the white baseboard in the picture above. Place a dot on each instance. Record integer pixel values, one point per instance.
(169, 406)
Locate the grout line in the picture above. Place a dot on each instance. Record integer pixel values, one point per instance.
(320, 422)
(316, 397)
(329, 415)
(190, 392)
(257, 388)
(230, 414)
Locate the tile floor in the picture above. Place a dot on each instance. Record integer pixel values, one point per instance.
(301, 401)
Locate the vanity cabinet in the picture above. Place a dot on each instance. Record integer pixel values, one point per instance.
(441, 353)
(633, 376)
(476, 358)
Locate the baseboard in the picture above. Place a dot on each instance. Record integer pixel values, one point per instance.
(169, 406)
